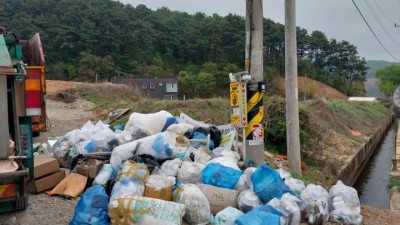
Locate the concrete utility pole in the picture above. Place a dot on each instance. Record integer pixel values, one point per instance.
(254, 144)
(292, 104)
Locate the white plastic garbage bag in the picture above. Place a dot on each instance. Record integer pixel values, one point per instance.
(221, 152)
(225, 161)
(127, 187)
(142, 125)
(197, 207)
(197, 155)
(288, 205)
(344, 205)
(104, 174)
(296, 185)
(247, 177)
(248, 200)
(190, 172)
(283, 173)
(158, 182)
(160, 146)
(228, 216)
(171, 167)
(315, 197)
(102, 134)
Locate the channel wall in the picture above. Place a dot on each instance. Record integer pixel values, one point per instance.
(350, 172)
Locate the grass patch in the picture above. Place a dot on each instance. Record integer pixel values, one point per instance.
(394, 183)
(308, 176)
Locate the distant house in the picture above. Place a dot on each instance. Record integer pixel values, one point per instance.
(152, 87)
(362, 99)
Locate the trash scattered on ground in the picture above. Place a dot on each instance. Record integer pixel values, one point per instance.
(160, 169)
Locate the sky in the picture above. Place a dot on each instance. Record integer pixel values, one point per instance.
(338, 19)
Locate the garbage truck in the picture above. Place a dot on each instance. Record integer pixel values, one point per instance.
(21, 69)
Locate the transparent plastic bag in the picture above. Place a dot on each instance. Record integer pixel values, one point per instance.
(171, 167)
(315, 197)
(190, 172)
(127, 187)
(197, 207)
(297, 186)
(344, 205)
(248, 200)
(288, 205)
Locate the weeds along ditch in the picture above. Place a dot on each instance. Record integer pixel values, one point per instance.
(326, 126)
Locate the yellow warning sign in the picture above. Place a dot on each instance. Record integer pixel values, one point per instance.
(234, 88)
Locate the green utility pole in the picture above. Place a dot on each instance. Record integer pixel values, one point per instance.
(254, 131)
(292, 103)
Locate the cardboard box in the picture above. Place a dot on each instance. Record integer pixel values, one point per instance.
(163, 194)
(44, 165)
(49, 181)
(89, 168)
(219, 198)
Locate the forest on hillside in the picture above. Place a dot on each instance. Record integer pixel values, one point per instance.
(82, 38)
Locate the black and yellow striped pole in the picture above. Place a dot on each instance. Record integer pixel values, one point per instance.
(254, 131)
(255, 113)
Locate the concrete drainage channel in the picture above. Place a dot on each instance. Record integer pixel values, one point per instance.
(373, 182)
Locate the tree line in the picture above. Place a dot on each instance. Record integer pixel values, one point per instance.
(82, 38)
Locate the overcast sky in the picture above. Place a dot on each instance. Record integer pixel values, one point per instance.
(338, 19)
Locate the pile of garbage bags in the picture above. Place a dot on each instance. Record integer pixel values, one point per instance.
(171, 174)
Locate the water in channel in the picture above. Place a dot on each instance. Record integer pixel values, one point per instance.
(372, 185)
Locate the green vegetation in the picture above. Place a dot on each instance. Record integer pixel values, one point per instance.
(359, 110)
(394, 183)
(389, 79)
(82, 38)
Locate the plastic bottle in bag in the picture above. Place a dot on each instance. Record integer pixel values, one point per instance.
(104, 174)
(315, 197)
(344, 205)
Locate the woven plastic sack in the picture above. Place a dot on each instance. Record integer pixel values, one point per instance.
(134, 171)
(197, 207)
(141, 125)
(268, 184)
(130, 210)
(92, 208)
(344, 205)
(221, 176)
(161, 146)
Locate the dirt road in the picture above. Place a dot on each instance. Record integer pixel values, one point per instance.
(44, 209)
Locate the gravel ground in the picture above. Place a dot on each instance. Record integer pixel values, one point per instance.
(42, 208)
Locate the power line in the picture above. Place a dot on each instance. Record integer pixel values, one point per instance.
(373, 31)
(379, 21)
